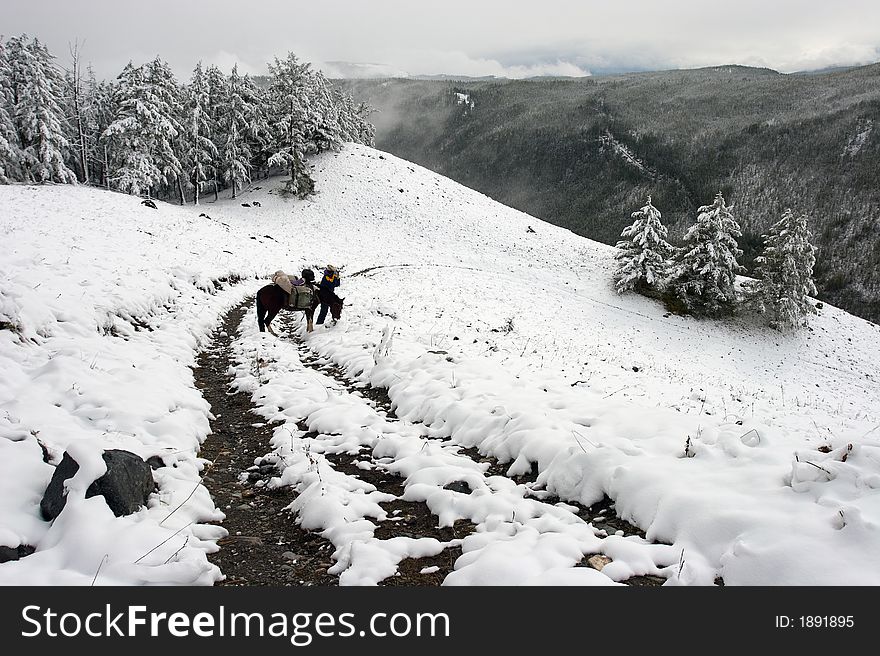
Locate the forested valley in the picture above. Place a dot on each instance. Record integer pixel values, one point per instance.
(585, 153)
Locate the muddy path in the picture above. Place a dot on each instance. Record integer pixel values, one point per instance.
(265, 546)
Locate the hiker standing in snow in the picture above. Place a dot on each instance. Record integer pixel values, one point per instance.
(326, 294)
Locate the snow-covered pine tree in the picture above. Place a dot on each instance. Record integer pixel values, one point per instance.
(235, 153)
(705, 268)
(259, 136)
(353, 119)
(101, 113)
(133, 169)
(200, 128)
(643, 255)
(784, 272)
(216, 83)
(10, 149)
(37, 115)
(290, 105)
(144, 131)
(322, 128)
(348, 130)
(366, 131)
(165, 96)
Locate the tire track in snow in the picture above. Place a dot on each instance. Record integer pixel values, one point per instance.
(264, 546)
(366, 467)
(405, 519)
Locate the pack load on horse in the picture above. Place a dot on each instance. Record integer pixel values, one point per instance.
(301, 292)
(299, 295)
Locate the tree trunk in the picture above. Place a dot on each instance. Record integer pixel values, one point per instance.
(106, 166)
(215, 189)
(180, 189)
(77, 108)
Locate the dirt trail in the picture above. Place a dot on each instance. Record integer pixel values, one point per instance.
(265, 547)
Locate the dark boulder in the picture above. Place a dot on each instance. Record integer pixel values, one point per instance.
(15, 553)
(458, 486)
(54, 497)
(125, 487)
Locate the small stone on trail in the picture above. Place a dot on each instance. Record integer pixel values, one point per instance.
(458, 486)
(598, 561)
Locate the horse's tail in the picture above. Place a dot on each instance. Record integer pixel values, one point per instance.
(261, 314)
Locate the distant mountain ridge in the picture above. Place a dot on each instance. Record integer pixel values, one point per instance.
(767, 140)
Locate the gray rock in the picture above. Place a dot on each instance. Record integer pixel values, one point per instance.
(15, 553)
(125, 486)
(458, 486)
(54, 497)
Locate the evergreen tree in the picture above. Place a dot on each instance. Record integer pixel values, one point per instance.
(366, 131)
(322, 124)
(133, 169)
(235, 152)
(10, 149)
(145, 128)
(164, 94)
(353, 123)
(201, 153)
(348, 130)
(39, 120)
(643, 256)
(290, 104)
(259, 136)
(100, 114)
(784, 272)
(706, 267)
(215, 84)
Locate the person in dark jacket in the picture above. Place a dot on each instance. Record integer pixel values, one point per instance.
(326, 294)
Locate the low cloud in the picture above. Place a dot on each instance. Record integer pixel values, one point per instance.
(430, 62)
(226, 60)
(462, 37)
(841, 55)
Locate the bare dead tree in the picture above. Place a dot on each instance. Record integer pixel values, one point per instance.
(76, 80)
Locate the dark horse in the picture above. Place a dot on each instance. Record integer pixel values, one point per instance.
(270, 300)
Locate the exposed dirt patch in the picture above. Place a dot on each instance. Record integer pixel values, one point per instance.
(264, 547)
(381, 479)
(428, 571)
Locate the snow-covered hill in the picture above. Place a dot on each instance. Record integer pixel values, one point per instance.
(755, 455)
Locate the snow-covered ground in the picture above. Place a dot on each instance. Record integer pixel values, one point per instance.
(743, 453)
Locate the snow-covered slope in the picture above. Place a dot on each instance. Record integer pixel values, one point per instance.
(755, 455)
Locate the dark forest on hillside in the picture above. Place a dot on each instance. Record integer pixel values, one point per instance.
(585, 153)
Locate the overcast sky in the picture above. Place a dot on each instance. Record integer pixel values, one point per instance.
(462, 37)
